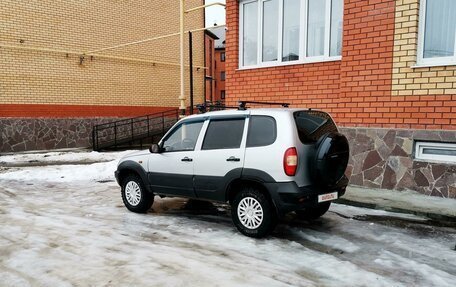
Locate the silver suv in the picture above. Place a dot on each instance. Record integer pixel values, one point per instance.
(264, 162)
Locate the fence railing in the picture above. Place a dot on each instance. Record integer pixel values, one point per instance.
(127, 131)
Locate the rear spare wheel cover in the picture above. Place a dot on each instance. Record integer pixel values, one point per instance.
(330, 159)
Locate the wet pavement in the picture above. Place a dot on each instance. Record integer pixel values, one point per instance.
(80, 234)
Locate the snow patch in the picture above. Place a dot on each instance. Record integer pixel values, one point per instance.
(63, 157)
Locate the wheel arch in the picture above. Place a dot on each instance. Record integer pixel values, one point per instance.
(129, 167)
(235, 186)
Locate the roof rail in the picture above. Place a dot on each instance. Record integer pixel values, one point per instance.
(217, 106)
(243, 104)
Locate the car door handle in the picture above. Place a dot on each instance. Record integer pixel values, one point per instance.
(232, 158)
(187, 159)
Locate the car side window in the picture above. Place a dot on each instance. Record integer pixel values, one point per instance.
(224, 134)
(183, 137)
(262, 131)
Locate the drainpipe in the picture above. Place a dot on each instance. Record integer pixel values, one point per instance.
(190, 51)
(182, 106)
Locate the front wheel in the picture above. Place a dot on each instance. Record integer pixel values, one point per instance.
(252, 213)
(135, 196)
(313, 213)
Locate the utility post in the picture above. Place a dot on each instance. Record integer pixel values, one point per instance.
(182, 106)
(182, 98)
(190, 59)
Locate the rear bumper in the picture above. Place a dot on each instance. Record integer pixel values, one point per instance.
(289, 197)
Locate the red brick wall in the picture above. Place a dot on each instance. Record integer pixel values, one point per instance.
(356, 90)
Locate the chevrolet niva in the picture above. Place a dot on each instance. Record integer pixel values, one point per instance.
(265, 163)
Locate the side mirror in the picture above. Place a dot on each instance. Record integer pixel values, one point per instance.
(155, 148)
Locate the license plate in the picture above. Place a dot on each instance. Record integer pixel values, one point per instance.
(327, 197)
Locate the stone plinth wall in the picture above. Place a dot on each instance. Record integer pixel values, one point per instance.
(384, 158)
(380, 158)
(44, 134)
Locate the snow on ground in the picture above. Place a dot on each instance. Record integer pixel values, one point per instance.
(75, 231)
(99, 171)
(60, 157)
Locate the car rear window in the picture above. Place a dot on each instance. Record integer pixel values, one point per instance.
(224, 134)
(312, 125)
(262, 131)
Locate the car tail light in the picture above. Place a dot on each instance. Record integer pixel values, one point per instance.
(290, 161)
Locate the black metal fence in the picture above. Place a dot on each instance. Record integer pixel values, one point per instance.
(114, 135)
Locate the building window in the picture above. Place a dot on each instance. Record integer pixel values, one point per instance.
(280, 32)
(337, 15)
(437, 32)
(249, 33)
(316, 28)
(222, 57)
(444, 152)
(222, 94)
(222, 76)
(270, 29)
(291, 30)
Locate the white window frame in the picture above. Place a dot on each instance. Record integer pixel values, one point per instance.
(241, 31)
(303, 59)
(429, 62)
(420, 155)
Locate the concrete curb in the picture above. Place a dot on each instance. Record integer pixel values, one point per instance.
(435, 208)
(430, 215)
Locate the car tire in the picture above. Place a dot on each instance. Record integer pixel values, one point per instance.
(135, 196)
(313, 213)
(252, 213)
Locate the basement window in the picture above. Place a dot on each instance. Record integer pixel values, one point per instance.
(435, 151)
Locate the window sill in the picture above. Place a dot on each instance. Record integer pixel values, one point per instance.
(291, 63)
(430, 65)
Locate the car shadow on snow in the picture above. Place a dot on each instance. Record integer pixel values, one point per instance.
(287, 227)
(219, 213)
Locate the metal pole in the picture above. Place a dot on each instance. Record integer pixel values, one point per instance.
(182, 106)
(205, 6)
(30, 48)
(98, 143)
(148, 126)
(91, 53)
(163, 124)
(115, 135)
(132, 134)
(93, 138)
(190, 52)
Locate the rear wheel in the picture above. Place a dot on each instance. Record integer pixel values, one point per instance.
(313, 213)
(252, 213)
(135, 196)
